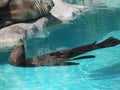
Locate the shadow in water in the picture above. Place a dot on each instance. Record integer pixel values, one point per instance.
(106, 73)
(4, 58)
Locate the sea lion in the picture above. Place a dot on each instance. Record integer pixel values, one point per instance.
(17, 57)
(14, 11)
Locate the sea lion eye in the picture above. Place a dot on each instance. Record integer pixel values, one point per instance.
(47, 6)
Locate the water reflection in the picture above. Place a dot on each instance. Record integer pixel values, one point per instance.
(106, 72)
(4, 58)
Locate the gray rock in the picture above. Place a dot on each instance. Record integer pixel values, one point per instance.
(10, 35)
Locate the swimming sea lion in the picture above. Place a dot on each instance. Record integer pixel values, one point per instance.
(17, 57)
(13, 11)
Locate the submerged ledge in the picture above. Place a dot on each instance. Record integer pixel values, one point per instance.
(61, 12)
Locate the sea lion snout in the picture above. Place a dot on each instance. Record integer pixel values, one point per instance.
(48, 4)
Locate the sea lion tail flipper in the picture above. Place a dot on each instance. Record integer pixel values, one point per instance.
(86, 48)
(108, 42)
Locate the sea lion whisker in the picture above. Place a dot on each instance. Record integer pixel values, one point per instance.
(42, 6)
(38, 7)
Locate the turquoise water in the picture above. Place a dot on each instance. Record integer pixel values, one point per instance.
(99, 73)
(108, 3)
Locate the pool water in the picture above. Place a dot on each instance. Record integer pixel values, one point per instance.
(99, 73)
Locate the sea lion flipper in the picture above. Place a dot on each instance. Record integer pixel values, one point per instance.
(67, 64)
(109, 42)
(84, 57)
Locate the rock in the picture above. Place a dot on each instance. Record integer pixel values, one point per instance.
(8, 41)
(10, 35)
(64, 11)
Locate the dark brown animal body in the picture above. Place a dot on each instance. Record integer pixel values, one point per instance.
(14, 11)
(17, 57)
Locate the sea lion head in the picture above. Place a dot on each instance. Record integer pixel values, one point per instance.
(23, 10)
(48, 4)
(17, 56)
(42, 7)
